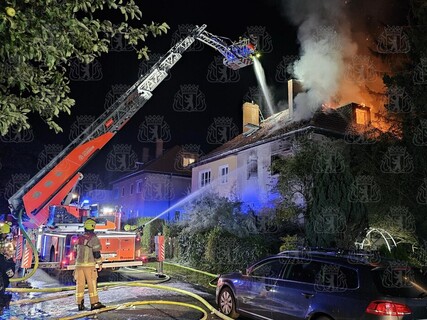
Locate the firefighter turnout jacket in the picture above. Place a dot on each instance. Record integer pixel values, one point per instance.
(88, 250)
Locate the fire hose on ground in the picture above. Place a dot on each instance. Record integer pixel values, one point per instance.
(36, 257)
(127, 304)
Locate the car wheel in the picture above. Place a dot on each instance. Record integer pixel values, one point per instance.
(227, 303)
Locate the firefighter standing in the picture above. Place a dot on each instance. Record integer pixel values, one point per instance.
(7, 265)
(88, 254)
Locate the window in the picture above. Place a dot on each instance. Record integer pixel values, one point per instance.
(123, 191)
(302, 271)
(131, 189)
(335, 277)
(324, 276)
(139, 186)
(270, 269)
(252, 166)
(188, 159)
(205, 178)
(275, 157)
(362, 117)
(223, 174)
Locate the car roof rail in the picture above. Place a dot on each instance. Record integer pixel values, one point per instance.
(336, 252)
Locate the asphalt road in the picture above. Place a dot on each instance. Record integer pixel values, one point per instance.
(62, 304)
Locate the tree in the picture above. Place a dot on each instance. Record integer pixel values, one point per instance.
(39, 39)
(317, 176)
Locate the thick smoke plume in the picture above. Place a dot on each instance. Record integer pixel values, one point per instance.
(326, 45)
(337, 40)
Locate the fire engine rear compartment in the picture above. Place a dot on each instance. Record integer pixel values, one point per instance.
(56, 249)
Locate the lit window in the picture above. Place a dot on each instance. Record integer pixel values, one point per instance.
(205, 178)
(223, 174)
(188, 159)
(361, 117)
(139, 186)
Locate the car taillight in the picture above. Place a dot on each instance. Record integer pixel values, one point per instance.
(388, 308)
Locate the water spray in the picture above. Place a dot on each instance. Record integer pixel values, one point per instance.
(260, 75)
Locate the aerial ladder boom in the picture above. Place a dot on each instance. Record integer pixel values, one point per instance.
(51, 184)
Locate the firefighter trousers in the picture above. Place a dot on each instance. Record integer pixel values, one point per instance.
(84, 275)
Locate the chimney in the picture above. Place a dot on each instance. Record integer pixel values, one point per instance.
(159, 147)
(294, 87)
(250, 116)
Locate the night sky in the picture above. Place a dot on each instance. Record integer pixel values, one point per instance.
(219, 95)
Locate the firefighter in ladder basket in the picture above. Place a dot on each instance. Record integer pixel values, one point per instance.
(88, 250)
(7, 265)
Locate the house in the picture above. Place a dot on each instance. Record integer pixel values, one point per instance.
(240, 168)
(157, 186)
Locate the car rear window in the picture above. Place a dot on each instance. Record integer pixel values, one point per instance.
(324, 276)
(400, 280)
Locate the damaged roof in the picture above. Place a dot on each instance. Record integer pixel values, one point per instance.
(333, 122)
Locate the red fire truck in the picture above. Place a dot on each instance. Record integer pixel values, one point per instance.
(49, 221)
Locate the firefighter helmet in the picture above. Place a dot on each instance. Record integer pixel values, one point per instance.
(4, 227)
(90, 224)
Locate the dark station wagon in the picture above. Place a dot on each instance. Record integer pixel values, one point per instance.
(324, 285)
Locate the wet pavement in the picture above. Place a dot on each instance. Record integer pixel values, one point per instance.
(62, 304)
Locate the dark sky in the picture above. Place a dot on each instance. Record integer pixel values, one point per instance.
(219, 95)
